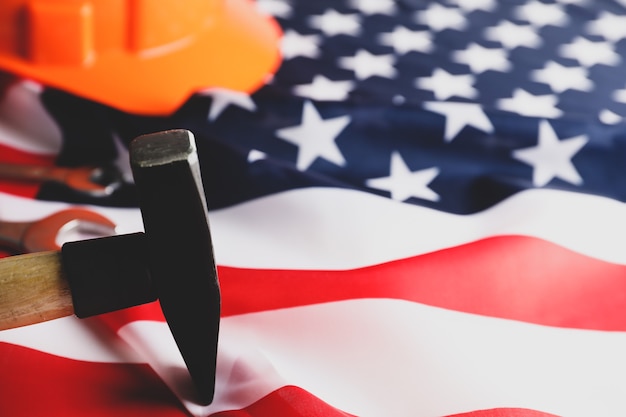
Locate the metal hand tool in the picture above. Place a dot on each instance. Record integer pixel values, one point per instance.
(42, 235)
(172, 261)
(92, 181)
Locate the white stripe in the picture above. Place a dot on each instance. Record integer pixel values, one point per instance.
(379, 358)
(74, 339)
(325, 228)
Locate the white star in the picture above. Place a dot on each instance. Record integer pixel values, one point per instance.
(620, 95)
(459, 115)
(511, 35)
(334, 23)
(542, 14)
(223, 98)
(404, 40)
(609, 25)
(552, 158)
(439, 18)
(366, 65)
(561, 78)
(608, 117)
(278, 8)
(404, 184)
(472, 5)
(256, 155)
(528, 104)
(445, 85)
(370, 7)
(294, 44)
(315, 137)
(590, 53)
(324, 89)
(481, 59)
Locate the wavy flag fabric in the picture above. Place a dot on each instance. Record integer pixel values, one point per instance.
(419, 215)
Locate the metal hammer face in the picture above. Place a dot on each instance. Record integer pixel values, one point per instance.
(172, 261)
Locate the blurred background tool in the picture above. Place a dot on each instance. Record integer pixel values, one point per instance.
(44, 234)
(92, 181)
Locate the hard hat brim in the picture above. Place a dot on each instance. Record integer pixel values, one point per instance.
(238, 51)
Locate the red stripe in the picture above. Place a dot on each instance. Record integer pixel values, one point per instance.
(295, 402)
(290, 401)
(286, 401)
(47, 385)
(39, 384)
(505, 412)
(117, 319)
(513, 277)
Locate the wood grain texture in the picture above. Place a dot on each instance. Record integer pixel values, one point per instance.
(33, 289)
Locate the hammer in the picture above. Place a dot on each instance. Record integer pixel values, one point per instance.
(172, 261)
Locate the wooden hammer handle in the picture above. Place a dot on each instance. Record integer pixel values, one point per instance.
(33, 289)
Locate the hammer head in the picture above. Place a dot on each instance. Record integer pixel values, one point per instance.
(172, 261)
(180, 254)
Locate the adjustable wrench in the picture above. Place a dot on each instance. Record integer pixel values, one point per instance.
(96, 182)
(41, 235)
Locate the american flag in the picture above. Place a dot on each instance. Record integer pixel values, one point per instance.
(420, 214)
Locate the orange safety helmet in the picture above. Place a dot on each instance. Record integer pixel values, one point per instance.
(140, 56)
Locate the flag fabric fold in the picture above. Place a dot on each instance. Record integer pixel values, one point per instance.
(419, 215)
